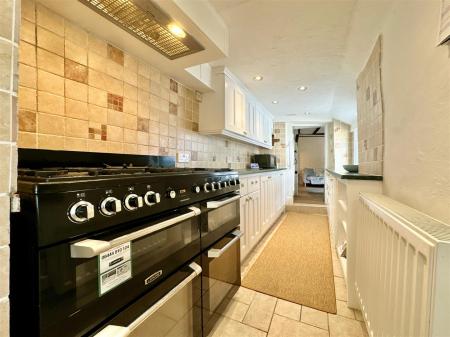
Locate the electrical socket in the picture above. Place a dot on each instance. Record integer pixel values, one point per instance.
(183, 156)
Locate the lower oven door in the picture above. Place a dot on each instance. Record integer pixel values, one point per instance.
(84, 283)
(221, 276)
(170, 309)
(219, 217)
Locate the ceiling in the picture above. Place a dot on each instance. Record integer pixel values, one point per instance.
(320, 44)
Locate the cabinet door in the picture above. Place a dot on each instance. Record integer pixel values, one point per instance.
(244, 227)
(230, 120)
(239, 110)
(264, 202)
(256, 208)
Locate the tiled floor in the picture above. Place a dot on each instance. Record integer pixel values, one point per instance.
(252, 314)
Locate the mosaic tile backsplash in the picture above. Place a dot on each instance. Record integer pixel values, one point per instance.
(78, 92)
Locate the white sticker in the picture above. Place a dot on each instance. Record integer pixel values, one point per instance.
(112, 278)
(114, 267)
(114, 257)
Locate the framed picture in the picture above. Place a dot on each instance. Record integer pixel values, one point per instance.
(444, 31)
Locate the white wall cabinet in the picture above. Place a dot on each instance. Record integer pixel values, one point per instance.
(262, 202)
(233, 112)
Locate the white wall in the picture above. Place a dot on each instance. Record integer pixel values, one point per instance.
(416, 92)
(311, 153)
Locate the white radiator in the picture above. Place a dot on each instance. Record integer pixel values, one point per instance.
(402, 270)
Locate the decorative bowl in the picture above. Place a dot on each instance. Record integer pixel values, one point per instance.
(351, 168)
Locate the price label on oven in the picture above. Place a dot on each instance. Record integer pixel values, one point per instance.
(114, 267)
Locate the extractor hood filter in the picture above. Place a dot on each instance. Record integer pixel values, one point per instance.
(145, 21)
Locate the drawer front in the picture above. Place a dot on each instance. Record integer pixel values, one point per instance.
(253, 184)
(243, 188)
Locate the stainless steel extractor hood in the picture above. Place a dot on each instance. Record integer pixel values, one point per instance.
(146, 22)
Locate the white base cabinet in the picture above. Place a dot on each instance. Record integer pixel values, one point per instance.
(262, 202)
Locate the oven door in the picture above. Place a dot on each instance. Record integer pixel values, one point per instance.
(170, 309)
(85, 282)
(221, 276)
(219, 217)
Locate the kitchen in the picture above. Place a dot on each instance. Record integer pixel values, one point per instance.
(149, 168)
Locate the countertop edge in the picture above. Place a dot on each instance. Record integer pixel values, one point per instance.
(259, 171)
(355, 176)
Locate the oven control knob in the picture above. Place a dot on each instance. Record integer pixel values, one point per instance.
(171, 193)
(133, 202)
(81, 211)
(196, 189)
(237, 181)
(217, 185)
(224, 183)
(232, 182)
(110, 206)
(207, 187)
(151, 198)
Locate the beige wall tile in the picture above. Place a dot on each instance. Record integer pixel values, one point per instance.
(28, 31)
(49, 20)
(50, 142)
(76, 109)
(142, 138)
(130, 148)
(130, 91)
(75, 34)
(129, 106)
(130, 76)
(115, 117)
(27, 53)
(27, 98)
(130, 62)
(50, 62)
(130, 136)
(5, 65)
(50, 124)
(97, 46)
(130, 122)
(97, 114)
(98, 97)
(143, 149)
(4, 271)
(115, 133)
(28, 10)
(96, 61)
(5, 116)
(76, 90)
(27, 75)
(50, 82)
(50, 103)
(76, 128)
(75, 144)
(50, 41)
(27, 140)
(97, 145)
(114, 69)
(115, 147)
(75, 52)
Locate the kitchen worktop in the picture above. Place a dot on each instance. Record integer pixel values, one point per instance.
(258, 171)
(354, 176)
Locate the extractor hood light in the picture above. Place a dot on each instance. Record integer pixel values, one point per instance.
(176, 30)
(274, 102)
(258, 78)
(302, 88)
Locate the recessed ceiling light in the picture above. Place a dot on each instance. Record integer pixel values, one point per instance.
(176, 30)
(307, 113)
(274, 102)
(291, 115)
(302, 88)
(258, 78)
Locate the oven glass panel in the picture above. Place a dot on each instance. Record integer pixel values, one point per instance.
(67, 284)
(222, 215)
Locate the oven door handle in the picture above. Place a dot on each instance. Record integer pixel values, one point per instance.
(124, 331)
(220, 203)
(214, 252)
(89, 248)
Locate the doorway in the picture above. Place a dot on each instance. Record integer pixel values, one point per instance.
(310, 165)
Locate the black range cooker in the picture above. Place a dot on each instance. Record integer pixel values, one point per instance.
(113, 245)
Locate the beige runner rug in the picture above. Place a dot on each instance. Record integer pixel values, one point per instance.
(296, 264)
